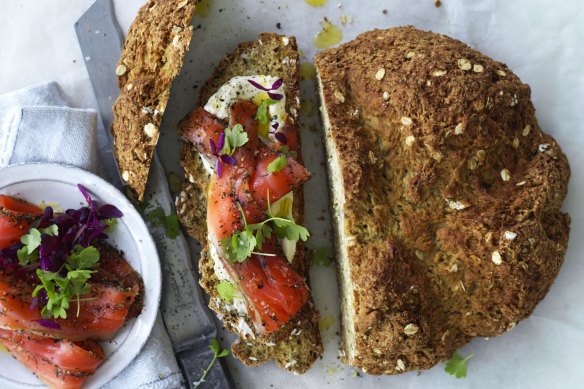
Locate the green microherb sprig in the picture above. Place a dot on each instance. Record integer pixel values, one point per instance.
(322, 256)
(262, 113)
(169, 222)
(217, 353)
(60, 289)
(278, 164)
(456, 366)
(227, 291)
(241, 244)
(234, 137)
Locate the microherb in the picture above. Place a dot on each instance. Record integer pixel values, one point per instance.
(227, 291)
(278, 164)
(60, 289)
(275, 86)
(229, 140)
(234, 137)
(241, 244)
(456, 366)
(262, 113)
(322, 256)
(217, 353)
(169, 222)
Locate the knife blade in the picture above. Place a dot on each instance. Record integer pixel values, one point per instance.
(185, 315)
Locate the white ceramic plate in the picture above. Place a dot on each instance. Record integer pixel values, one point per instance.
(51, 182)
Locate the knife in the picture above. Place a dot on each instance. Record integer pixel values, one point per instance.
(185, 315)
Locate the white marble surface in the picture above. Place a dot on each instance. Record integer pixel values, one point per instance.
(540, 39)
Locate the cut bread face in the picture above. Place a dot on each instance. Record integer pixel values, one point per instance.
(297, 344)
(445, 195)
(151, 58)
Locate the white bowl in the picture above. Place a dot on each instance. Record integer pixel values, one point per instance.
(57, 183)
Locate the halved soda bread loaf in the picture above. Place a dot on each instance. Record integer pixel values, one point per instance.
(297, 344)
(446, 196)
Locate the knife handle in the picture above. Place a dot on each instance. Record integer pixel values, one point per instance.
(195, 360)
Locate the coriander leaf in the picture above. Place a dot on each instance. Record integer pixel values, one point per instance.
(111, 224)
(262, 113)
(322, 256)
(171, 226)
(52, 230)
(286, 228)
(278, 164)
(263, 233)
(169, 222)
(239, 246)
(227, 291)
(217, 353)
(83, 258)
(156, 215)
(24, 258)
(234, 137)
(457, 365)
(32, 240)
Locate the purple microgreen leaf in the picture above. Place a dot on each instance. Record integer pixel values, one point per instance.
(85, 193)
(221, 141)
(228, 159)
(213, 147)
(275, 125)
(49, 323)
(277, 84)
(109, 211)
(257, 85)
(219, 168)
(275, 96)
(281, 137)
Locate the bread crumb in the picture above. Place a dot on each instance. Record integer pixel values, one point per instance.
(458, 129)
(410, 140)
(150, 130)
(380, 74)
(464, 64)
(121, 70)
(406, 121)
(437, 3)
(496, 258)
(478, 68)
(411, 329)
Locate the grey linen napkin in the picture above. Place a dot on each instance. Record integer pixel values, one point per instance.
(37, 125)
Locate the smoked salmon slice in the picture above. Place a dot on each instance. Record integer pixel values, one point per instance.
(273, 290)
(59, 363)
(116, 296)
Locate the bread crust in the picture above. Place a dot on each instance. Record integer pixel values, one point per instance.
(151, 58)
(297, 344)
(439, 145)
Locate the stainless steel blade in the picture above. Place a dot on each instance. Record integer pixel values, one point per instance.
(186, 318)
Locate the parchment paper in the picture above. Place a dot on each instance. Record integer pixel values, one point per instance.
(540, 40)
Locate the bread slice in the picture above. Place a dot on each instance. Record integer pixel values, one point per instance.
(297, 344)
(446, 196)
(151, 58)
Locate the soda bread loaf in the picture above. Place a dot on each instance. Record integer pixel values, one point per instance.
(297, 344)
(446, 196)
(151, 58)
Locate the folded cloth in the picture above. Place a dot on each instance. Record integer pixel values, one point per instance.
(37, 125)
